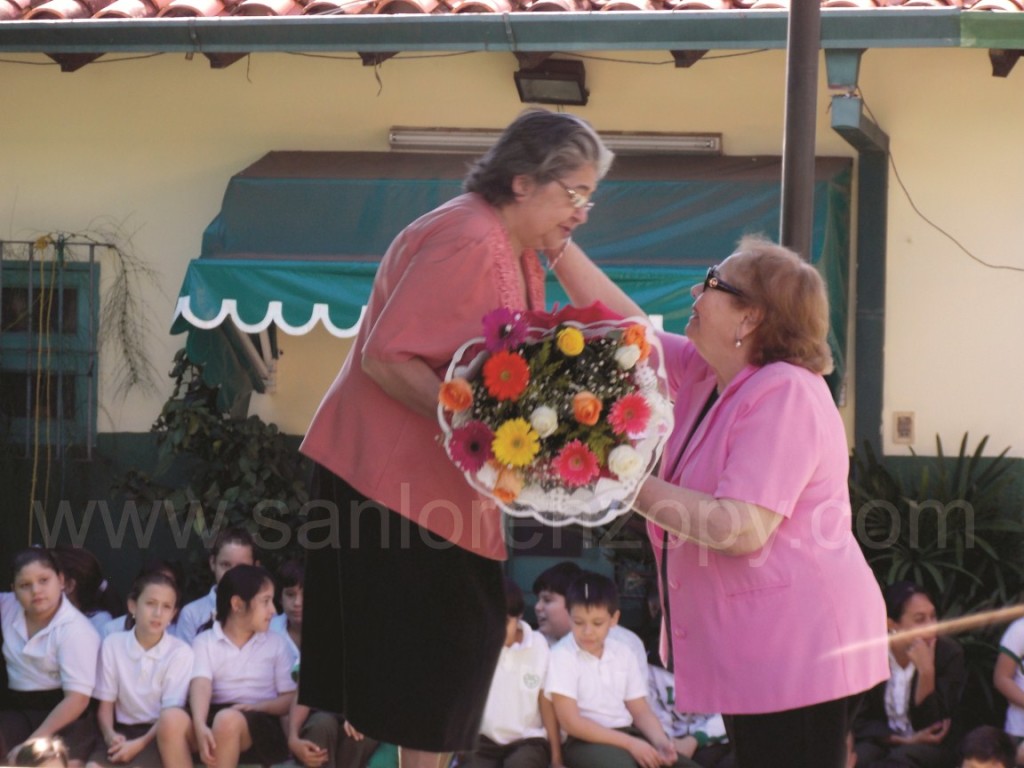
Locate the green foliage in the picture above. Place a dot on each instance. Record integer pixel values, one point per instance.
(950, 529)
(224, 472)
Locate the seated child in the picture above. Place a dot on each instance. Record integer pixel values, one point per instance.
(1008, 678)
(234, 546)
(291, 580)
(553, 617)
(172, 571)
(598, 691)
(142, 672)
(317, 739)
(699, 736)
(50, 650)
(519, 727)
(241, 682)
(909, 720)
(85, 586)
(987, 747)
(320, 739)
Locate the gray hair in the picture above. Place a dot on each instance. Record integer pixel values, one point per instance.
(542, 145)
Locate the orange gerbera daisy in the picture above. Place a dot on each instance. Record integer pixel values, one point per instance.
(506, 375)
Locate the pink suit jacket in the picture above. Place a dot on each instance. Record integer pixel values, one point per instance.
(802, 620)
(440, 276)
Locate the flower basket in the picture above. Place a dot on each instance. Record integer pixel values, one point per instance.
(557, 417)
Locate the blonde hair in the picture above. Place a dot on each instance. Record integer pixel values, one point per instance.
(791, 295)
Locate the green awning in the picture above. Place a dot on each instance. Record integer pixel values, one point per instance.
(299, 236)
(296, 296)
(255, 294)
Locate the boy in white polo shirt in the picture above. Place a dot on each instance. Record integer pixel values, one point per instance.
(519, 727)
(598, 691)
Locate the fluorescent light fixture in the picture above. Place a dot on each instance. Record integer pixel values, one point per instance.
(477, 140)
(554, 81)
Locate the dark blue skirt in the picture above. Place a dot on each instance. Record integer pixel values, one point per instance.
(401, 630)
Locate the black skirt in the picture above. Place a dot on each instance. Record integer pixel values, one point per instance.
(401, 629)
(27, 711)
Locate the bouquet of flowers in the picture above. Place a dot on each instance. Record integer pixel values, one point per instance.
(559, 417)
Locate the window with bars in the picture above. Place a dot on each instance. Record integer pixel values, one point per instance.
(49, 322)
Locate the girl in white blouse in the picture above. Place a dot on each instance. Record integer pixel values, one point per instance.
(241, 682)
(50, 650)
(142, 672)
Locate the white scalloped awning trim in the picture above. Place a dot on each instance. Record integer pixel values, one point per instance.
(274, 316)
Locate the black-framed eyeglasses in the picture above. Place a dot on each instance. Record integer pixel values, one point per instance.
(577, 199)
(714, 282)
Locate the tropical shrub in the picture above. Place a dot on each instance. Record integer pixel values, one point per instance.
(952, 529)
(215, 472)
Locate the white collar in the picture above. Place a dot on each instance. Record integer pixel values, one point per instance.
(136, 651)
(528, 636)
(65, 612)
(218, 634)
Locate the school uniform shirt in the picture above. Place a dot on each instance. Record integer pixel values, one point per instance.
(100, 619)
(600, 686)
(142, 682)
(1012, 644)
(631, 640)
(195, 615)
(512, 712)
(773, 438)
(279, 624)
(259, 670)
(120, 624)
(60, 656)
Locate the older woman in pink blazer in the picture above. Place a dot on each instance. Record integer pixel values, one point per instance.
(772, 615)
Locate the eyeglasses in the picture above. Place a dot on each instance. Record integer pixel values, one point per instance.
(714, 282)
(578, 200)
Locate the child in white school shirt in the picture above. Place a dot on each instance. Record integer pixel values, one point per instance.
(50, 651)
(241, 683)
(234, 546)
(519, 726)
(142, 672)
(598, 691)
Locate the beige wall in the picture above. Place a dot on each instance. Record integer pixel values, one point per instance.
(150, 145)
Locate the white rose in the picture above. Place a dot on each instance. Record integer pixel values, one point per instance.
(625, 462)
(627, 356)
(544, 420)
(487, 476)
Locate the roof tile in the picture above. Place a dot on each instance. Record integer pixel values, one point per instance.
(14, 10)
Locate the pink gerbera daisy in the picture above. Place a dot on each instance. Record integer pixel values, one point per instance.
(503, 329)
(576, 464)
(470, 446)
(630, 414)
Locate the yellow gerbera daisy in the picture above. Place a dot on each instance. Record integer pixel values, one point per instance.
(515, 443)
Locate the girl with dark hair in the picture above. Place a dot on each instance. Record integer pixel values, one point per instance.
(50, 650)
(86, 587)
(909, 720)
(241, 682)
(142, 672)
(291, 579)
(233, 546)
(172, 571)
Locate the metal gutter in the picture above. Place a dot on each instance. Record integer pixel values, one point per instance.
(872, 144)
(983, 29)
(514, 32)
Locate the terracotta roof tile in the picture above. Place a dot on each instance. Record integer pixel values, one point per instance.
(13, 10)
